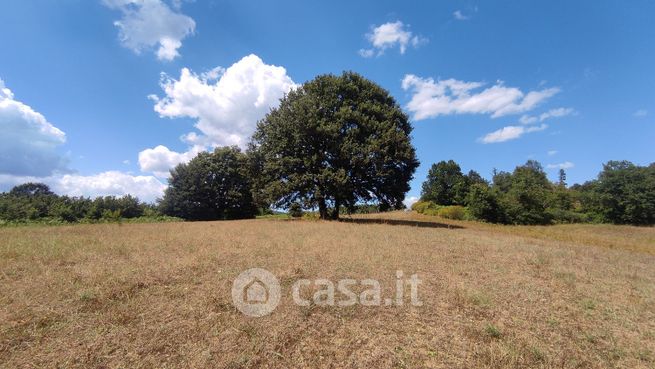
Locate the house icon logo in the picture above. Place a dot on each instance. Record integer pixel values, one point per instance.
(256, 292)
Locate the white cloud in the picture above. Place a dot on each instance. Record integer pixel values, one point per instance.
(641, 113)
(160, 160)
(431, 99)
(556, 113)
(510, 133)
(28, 142)
(553, 113)
(528, 119)
(552, 152)
(110, 183)
(409, 201)
(227, 103)
(390, 35)
(148, 23)
(564, 165)
(460, 16)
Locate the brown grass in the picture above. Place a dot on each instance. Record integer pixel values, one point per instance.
(158, 295)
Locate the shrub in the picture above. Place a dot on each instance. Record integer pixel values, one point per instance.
(422, 207)
(452, 212)
(568, 216)
(432, 211)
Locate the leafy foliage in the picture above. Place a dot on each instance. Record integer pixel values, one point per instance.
(528, 195)
(36, 202)
(483, 203)
(445, 184)
(211, 186)
(336, 141)
(623, 193)
(295, 210)
(456, 212)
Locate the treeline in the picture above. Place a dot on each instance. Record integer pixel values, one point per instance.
(623, 193)
(341, 144)
(36, 202)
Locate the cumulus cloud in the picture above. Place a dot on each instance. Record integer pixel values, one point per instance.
(226, 103)
(28, 142)
(553, 113)
(110, 183)
(564, 165)
(146, 188)
(390, 35)
(147, 24)
(552, 152)
(432, 98)
(510, 133)
(160, 160)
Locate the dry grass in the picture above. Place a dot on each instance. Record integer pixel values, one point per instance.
(640, 239)
(158, 295)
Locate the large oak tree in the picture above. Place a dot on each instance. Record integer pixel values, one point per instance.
(335, 142)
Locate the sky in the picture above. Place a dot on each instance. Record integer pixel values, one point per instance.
(103, 97)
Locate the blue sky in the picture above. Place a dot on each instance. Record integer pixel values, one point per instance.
(102, 97)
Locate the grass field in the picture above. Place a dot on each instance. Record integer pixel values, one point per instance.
(159, 295)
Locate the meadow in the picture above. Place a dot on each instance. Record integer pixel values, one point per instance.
(158, 295)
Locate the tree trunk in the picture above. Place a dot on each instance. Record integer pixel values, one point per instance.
(322, 209)
(335, 213)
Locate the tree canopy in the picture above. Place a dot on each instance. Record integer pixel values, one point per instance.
(445, 184)
(211, 186)
(624, 193)
(335, 141)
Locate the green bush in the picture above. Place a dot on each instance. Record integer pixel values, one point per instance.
(483, 204)
(455, 212)
(425, 207)
(568, 216)
(433, 211)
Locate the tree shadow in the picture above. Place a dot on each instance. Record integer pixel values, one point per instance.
(399, 222)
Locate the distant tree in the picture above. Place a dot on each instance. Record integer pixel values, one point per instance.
(625, 193)
(562, 178)
(335, 142)
(474, 177)
(445, 184)
(501, 181)
(31, 200)
(35, 201)
(527, 198)
(483, 203)
(31, 189)
(211, 186)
